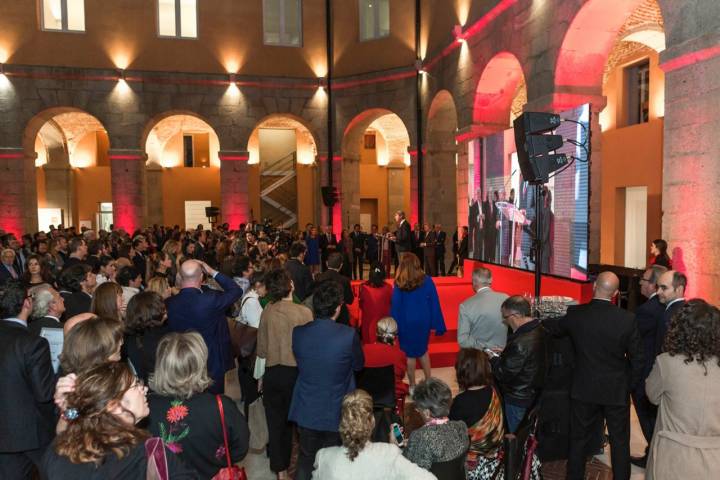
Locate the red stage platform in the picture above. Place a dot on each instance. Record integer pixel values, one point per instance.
(453, 291)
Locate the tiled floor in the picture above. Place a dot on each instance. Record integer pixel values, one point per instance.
(258, 468)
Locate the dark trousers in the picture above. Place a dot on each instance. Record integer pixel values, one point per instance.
(278, 384)
(310, 442)
(20, 465)
(440, 269)
(583, 419)
(357, 266)
(248, 384)
(647, 414)
(430, 264)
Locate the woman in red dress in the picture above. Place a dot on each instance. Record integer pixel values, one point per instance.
(375, 297)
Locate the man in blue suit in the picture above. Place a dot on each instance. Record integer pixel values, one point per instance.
(328, 354)
(204, 311)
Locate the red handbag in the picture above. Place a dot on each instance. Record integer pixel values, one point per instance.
(231, 472)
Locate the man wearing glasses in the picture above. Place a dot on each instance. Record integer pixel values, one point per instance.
(671, 291)
(647, 316)
(520, 368)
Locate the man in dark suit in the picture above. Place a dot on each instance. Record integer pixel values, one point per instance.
(403, 237)
(608, 366)
(372, 245)
(79, 283)
(427, 245)
(440, 240)
(140, 245)
(299, 272)
(335, 263)
(8, 271)
(78, 252)
(474, 224)
(647, 316)
(358, 242)
(48, 308)
(328, 355)
(204, 312)
(328, 245)
(27, 383)
(671, 291)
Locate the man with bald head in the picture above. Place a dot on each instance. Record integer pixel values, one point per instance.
(608, 365)
(204, 312)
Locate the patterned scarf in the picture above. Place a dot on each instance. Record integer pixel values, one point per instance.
(487, 434)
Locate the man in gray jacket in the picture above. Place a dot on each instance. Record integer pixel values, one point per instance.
(480, 322)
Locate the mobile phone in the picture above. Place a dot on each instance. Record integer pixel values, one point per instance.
(397, 433)
(491, 353)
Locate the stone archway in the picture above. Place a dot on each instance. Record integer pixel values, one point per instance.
(387, 144)
(182, 165)
(283, 178)
(72, 167)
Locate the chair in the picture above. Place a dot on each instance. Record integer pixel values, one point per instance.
(451, 470)
(379, 382)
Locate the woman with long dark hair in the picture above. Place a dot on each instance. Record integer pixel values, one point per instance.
(416, 309)
(37, 272)
(102, 439)
(374, 297)
(658, 250)
(685, 384)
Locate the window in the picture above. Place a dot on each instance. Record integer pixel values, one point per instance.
(282, 22)
(374, 19)
(177, 18)
(63, 15)
(188, 151)
(638, 92)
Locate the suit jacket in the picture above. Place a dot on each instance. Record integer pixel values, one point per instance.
(608, 352)
(35, 326)
(358, 240)
(27, 384)
(204, 312)
(348, 297)
(5, 274)
(480, 322)
(372, 248)
(324, 243)
(301, 277)
(664, 324)
(328, 355)
(404, 238)
(140, 263)
(648, 317)
(440, 239)
(77, 302)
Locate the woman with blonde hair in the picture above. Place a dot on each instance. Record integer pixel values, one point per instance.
(187, 417)
(161, 286)
(107, 301)
(102, 439)
(358, 457)
(416, 309)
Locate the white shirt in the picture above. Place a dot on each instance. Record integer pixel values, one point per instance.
(251, 309)
(377, 461)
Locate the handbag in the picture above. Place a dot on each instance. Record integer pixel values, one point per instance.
(243, 337)
(157, 468)
(231, 472)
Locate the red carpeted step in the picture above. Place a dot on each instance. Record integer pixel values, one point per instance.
(449, 337)
(443, 354)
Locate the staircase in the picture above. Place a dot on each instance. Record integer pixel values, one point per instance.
(278, 191)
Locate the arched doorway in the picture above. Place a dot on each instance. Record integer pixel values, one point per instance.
(375, 173)
(283, 180)
(440, 182)
(182, 174)
(72, 169)
(610, 58)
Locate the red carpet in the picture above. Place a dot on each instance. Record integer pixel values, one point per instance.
(453, 291)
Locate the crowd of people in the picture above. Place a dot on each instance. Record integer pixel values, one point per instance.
(114, 350)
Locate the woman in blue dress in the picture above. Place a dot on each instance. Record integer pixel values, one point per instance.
(312, 257)
(416, 309)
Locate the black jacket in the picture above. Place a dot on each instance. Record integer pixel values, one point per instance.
(608, 352)
(301, 277)
(76, 303)
(27, 384)
(520, 369)
(664, 324)
(648, 317)
(35, 326)
(404, 238)
(348, 297)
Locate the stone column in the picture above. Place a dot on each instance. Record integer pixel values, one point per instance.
(349, 190)
(395, 188)
(127, 172)
(18, 199)
(691, 168)
(154, 194)
(235, 208)
(413, 214)
(440, 189)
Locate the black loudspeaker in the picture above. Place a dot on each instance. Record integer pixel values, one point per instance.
(212, 211)
(329, 196)
(534, 148)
